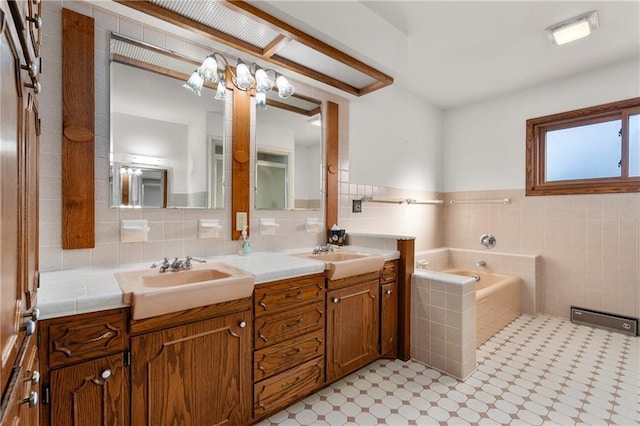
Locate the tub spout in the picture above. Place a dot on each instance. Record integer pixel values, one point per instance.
(481, 264)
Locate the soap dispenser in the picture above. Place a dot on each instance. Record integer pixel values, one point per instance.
(245, 244)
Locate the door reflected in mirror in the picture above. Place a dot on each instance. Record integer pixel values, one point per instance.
(159, 128)
(288, 154)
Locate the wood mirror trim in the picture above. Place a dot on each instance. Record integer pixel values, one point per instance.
(332, 163)
(78, 146)
(240, 163)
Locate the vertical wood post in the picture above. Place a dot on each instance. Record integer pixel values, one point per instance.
(78, 142)
(332, 165)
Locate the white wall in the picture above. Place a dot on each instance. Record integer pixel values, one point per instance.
(484, 143)
(395, 139)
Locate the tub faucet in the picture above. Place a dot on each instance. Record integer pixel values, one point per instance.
(481, 264)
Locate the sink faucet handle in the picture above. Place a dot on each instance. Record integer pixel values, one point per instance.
(195, 259)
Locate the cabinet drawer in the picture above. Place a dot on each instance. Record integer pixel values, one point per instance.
(277, 328)
(278, 358)
(389, 272)
(283, 295)
(279, 391)
(83, 339)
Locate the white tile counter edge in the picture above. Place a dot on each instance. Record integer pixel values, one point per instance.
(76, 291)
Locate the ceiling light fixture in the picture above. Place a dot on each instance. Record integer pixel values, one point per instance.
(573, 29)
(244, 78)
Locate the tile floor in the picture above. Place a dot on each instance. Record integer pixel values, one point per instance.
(535, 371)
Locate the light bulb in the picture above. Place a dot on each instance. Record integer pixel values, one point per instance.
(244, 80)
(194, 84)
(221, 91)
(285, 89)
(209, 69)
(261, 100)
(263, 82)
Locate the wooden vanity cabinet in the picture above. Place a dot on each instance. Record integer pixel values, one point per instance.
(195, 372)
(289, 342)
(353, 315)
(84, 369)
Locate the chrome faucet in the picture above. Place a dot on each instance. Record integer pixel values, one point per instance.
(177, 264)
(481, 264)
(323, 249)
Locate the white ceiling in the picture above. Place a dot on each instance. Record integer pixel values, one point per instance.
(452, 53)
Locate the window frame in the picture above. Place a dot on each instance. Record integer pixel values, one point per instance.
(535, 151)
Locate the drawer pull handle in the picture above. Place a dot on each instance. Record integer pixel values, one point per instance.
(32, 399)
(287, 384)
(242, 324)
(106, 335)
(293, 324)
(294, 353)
(106, 374)
(290, 296)
(35, 378)
(335, 300)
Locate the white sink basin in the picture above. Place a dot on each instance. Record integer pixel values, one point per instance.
(344, 264)
(152, 293)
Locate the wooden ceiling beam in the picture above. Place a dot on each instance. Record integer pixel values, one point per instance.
(269, 53)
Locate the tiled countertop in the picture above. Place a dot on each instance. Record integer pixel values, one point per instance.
(75, 291)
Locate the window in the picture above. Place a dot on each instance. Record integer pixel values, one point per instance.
(591, 150)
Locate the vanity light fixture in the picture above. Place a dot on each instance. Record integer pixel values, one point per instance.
(242, 78)
(574, 28)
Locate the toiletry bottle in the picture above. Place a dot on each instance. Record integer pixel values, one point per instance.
(245, 244)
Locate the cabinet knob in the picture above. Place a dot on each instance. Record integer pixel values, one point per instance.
(335, 300)
(36, 19)
(32, 399)
(34, 314)
(32, 68)
(29, 327)
(35, 378)
(388, 292)
(35, 85)
(106, 374)
(242, 324)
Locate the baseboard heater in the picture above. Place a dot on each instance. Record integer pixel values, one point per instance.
(626, 325)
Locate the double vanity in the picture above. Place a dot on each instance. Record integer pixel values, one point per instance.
(232, 340)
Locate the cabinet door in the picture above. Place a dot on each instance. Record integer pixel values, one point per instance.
(352, 328)
(10, 259)
(90, 393)
(30, 218)
(196, 374)
(389, 319)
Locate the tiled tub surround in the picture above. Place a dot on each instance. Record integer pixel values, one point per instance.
(589, 244)
(443, 322)
(527, 267)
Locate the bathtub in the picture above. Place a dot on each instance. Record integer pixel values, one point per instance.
(497, 300)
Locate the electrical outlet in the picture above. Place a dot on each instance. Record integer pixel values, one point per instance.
(241, 220)
(356, 206)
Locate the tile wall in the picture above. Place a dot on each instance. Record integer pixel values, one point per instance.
(589, 245)
(443, 322)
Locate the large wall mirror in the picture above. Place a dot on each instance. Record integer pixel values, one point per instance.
(288, 154)
(167, 145)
